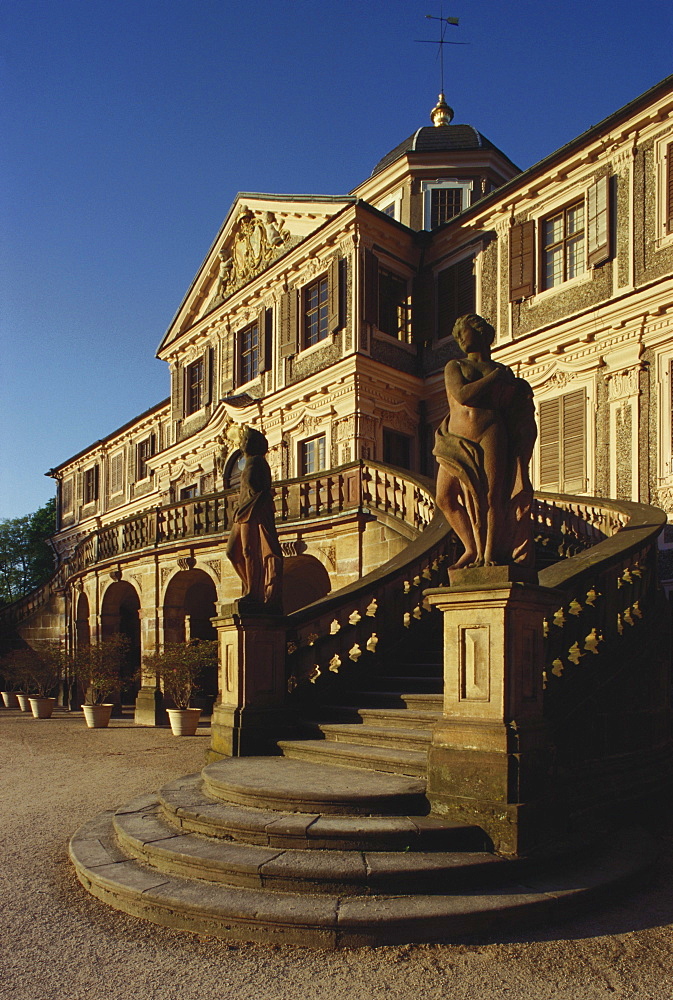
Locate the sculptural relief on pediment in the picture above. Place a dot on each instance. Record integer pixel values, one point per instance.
(257, 239)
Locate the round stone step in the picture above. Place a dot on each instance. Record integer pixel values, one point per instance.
(301, 786)
(186, 806)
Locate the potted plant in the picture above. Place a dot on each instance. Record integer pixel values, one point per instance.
(98, 667)
(10, 680)
(45, 672)
(18, 666)
(179, 666)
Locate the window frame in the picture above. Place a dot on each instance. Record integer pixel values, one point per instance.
(664, 189)
(566, 240)
(243, 377)
(391, 436)
(587, 385)
(90, 485)
(321, 309)
(117, 456)
(145, 449)
(195, 390)
(304, 446)
(403, 326)
(450, 183)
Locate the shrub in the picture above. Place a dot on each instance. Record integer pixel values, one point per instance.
(179, 666)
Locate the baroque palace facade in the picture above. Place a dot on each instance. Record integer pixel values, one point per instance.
(326, 323)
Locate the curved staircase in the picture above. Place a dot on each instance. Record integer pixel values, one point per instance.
(280, 850)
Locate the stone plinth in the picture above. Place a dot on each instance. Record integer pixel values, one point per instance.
(250, 715)
(489, 762)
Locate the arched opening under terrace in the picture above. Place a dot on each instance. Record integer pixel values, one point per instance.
(305, 580)
(120, 614)
(189, 604)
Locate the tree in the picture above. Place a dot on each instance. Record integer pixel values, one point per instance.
(26, 559)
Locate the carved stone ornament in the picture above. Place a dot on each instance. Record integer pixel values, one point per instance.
(623, 384)
(186, 563)
(138, 580)
(257, 239)
(166, 572)
(216, 566)
(664, 498)
(116, 575)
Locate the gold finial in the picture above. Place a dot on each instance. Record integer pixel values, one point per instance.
(441, 114)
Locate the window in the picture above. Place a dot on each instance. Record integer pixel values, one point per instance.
(90, 493)
(571, 240)
(312, 455)
(389, 210)
(394, 310)
(194, 386)
(249, 354)
(117, 473)
(444, 204)
(144, 450)
(455, 294)
(562, 424)
(396, 449)
(443, 200)
(187, 492)
(316, 326)
(563, 245)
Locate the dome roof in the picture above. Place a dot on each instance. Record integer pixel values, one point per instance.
(436, 139)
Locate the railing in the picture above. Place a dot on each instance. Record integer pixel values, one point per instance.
(26, 606)
(361, 626)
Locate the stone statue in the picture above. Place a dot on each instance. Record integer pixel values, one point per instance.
(253, 547)
(484, 447)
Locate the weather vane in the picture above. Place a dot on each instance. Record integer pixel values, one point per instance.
(441, 41)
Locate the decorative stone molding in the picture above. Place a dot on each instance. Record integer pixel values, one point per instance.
(328, 555)
(166, 573)
(115, 575)
(216, 566)
(293, 548)
(664, 498)
(186, 563)
(138, 580)
(621, 385)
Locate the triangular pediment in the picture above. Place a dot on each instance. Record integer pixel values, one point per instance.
(257, 231)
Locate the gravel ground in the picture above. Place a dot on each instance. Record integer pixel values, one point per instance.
(59, 942)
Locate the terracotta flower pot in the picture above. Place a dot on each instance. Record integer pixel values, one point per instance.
(10, 699)
(42, 708)
(24, 703)
(97, 716)
(184, 721)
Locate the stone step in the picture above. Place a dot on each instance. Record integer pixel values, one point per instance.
(328, 920)
(144, 835)
(186, 806)
(404, 718)
(398, 699)
(412, 763)
(419, 683)
(395, 738)
(277, 783)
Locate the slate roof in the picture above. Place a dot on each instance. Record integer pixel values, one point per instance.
(436, 139)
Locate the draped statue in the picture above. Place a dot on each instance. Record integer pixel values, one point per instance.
(253, 547)
(483, 447)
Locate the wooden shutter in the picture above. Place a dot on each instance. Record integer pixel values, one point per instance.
(288, 323)
(79, 489)
(177, 393)
(117, 473)
(132, 462)
(207, 376)
(370, 288)
(574, 442)
(550, 444)
(598, 222)
(563, 443)
(455, 294)
(521, 261)
(266, 340)
(261, 339)
(96, 482)
(669, 188)
(227, 365)
(333, 295)
(423, 307)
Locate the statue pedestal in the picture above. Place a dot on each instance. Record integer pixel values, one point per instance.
(250, 715)
(490, 758)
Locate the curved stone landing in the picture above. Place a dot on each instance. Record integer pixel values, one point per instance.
(268, 849)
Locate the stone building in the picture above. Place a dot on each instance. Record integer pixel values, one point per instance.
(326, 323)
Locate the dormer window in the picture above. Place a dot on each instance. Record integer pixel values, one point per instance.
(444, 199)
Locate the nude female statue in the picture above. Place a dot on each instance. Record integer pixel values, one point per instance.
(484, 447)
(253, 547)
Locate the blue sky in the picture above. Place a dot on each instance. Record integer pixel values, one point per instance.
(130, 125)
